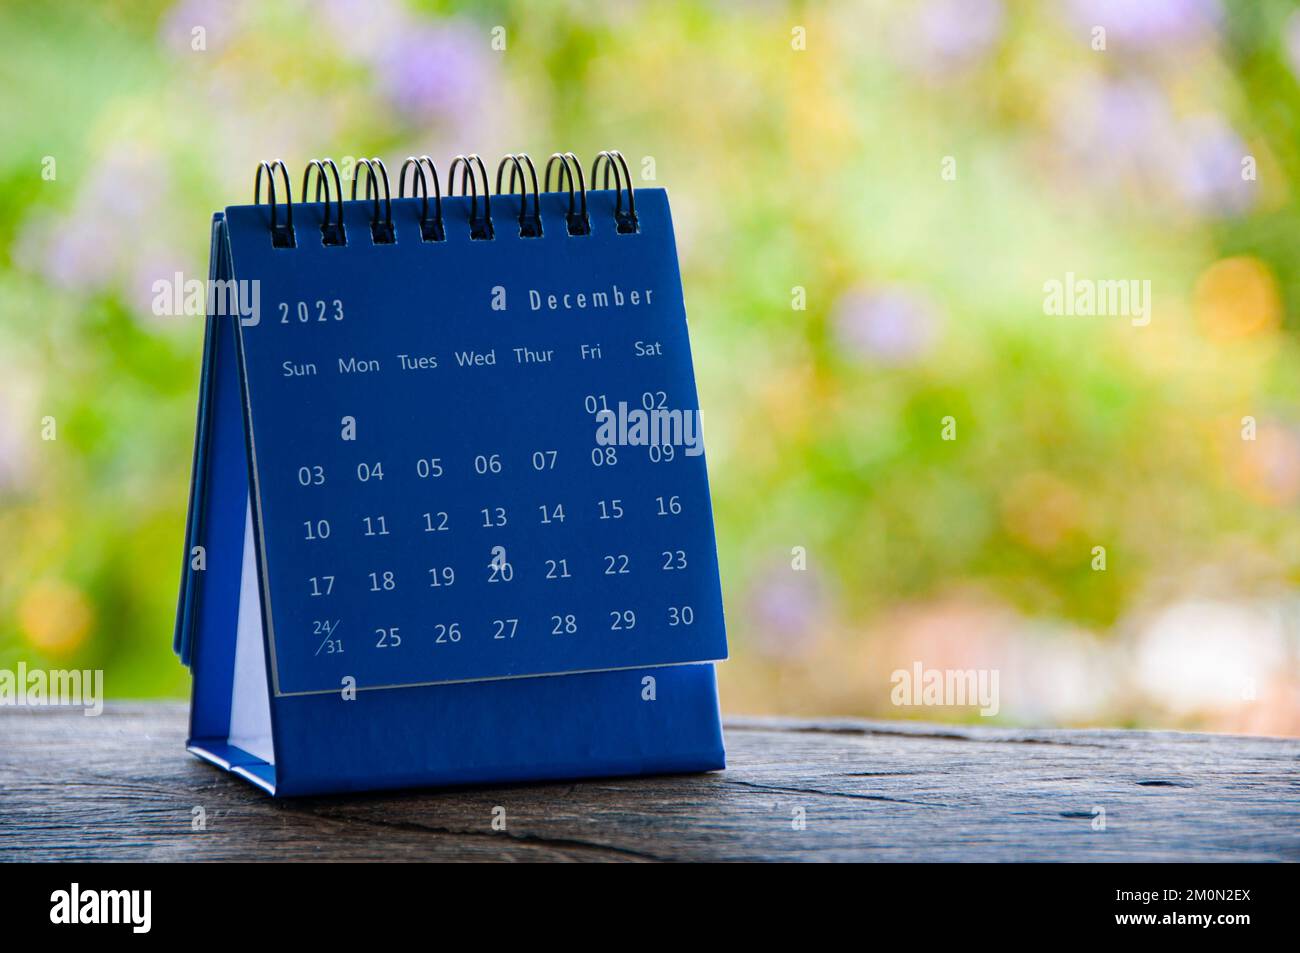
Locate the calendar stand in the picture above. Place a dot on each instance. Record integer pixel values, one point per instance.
(410, 560)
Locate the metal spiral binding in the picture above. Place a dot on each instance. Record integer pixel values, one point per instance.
(381, 233)
(281, 235)
(530, 226)
(331, 233)
(625, 221)
(480, 229)
(431, 230)
(523, 175)
(578, 221)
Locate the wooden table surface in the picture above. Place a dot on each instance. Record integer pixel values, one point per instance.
(121, 787)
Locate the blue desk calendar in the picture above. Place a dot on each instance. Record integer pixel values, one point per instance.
(409, 558)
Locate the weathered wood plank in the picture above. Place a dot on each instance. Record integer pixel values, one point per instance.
(121, 787)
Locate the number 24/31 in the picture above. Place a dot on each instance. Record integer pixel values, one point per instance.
(306, 311)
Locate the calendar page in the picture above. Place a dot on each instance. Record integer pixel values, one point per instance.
(457, 465)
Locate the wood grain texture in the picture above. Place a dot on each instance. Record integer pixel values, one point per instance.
(121, 787)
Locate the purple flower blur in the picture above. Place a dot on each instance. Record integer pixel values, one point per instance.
(1292, 39)
(83, 249)
(1124, 132)
(218, 18)
(1149, 24)
(787, 609)
(1120, 129)
(945, 36)
(436, 72)
(892, 325)
(15, 444)
(1210, 176)
(431, 72)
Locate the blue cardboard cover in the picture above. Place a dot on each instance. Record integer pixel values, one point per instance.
(419, 565)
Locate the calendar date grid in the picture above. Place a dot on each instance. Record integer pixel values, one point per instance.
(485, 551)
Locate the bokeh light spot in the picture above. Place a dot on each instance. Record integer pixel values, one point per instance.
(1237, 298)
(55, 616)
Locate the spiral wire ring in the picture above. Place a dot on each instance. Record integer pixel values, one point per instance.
(530, 226)
(523, 173)
(281, 235)
(430, 230)
(625, 222)
(332, 233)
(381, 233)
(479, 229)
(578, 221)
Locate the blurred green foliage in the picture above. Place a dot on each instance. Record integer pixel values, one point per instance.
(920, 171)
